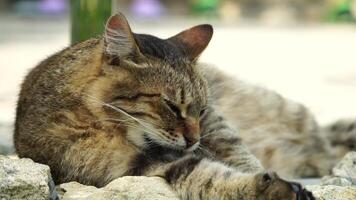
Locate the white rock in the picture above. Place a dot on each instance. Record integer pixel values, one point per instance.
(332, 192)
(339, 181)
(129, 187)
(24, 179)
(347, 167)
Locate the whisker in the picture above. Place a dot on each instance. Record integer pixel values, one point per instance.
(144, 130)
(120, 111)
(210, 154)
(111, 119)
(209, 134)
(142, 123)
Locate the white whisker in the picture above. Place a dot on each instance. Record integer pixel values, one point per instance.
(119, 110)
(209, 134)
(141, 125)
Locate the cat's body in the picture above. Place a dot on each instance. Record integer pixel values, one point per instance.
(282, 134)
(73, 125)
(136, 105)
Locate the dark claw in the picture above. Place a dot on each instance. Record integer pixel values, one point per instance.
(275, 188)
(302, 193)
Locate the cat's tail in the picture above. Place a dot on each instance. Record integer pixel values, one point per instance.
(342, 135)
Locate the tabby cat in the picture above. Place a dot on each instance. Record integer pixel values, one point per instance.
(133, 104)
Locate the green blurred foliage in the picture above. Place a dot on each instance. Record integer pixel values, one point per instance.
(88, 18)
(341, 11)
(204, 7)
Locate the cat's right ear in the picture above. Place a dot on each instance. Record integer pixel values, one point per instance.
(119, 40)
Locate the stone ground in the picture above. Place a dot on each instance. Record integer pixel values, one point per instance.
(23, 179)
(312, 63)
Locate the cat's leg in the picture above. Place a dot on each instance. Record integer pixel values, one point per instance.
(221, 142)
(290, 154)
(302, 155)
(195, 178)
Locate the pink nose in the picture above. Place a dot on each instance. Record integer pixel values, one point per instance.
(191, 132)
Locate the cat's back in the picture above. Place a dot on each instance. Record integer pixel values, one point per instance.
(53, 85)
(248, 106)
(62, 66)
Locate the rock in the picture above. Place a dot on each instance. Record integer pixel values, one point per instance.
(339, 181)
(344, 173)
(25, 179)
(347, 167)
(129, 187)
(332, 192)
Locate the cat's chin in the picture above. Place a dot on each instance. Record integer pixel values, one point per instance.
(179, 148)
(147, 141)
(193, 147)
(182, 148)
(169, 146)
(153, 143)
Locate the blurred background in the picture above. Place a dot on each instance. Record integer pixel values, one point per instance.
(303, 49)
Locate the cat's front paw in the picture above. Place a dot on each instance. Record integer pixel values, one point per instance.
(271, 187)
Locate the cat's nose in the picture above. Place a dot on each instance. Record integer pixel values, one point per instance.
(191, 132)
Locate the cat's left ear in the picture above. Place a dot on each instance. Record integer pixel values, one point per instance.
(193, 41)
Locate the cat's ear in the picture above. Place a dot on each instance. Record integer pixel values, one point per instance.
(119, 39)
(193, 40)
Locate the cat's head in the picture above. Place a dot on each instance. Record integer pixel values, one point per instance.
(152, 86)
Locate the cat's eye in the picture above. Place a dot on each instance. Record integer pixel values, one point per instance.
(173, 107)
(202, 112)
(136, 96)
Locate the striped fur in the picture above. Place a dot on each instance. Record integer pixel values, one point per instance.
(94, 115)
(283, 134)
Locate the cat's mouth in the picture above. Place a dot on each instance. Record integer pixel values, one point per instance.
(193, 147)
(180, 145)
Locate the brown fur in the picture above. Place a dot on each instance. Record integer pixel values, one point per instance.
(131, 104)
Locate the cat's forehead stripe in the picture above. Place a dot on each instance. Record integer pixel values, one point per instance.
(159, 48)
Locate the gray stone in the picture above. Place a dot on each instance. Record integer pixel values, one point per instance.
(339, 181)
(125, 188)
(24, 179)
(332, 192)
(347, 167)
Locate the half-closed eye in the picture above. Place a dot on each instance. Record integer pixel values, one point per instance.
(202, 111)
(174, 108)
(136, 96)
